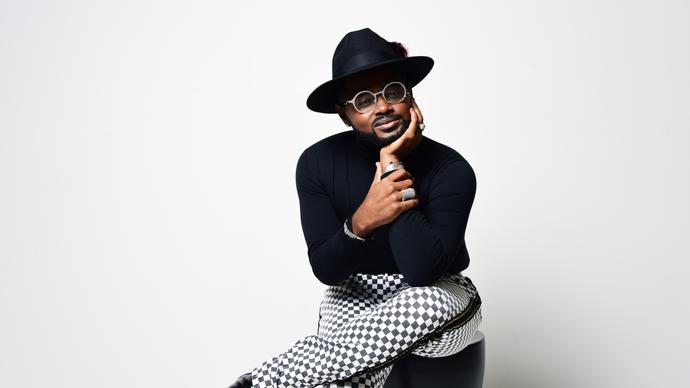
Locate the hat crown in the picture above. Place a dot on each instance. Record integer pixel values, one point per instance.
(360, 49)
(357, 52)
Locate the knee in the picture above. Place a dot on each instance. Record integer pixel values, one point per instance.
(428, 297)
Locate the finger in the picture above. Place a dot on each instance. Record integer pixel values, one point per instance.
(418, 112)
(403, 184)
(398, 175)
(413, 122)
(377, 174)
(408, 204)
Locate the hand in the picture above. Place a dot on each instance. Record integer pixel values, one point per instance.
(406, 143)
(383, 202)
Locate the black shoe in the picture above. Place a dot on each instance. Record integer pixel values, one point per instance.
(244, 381)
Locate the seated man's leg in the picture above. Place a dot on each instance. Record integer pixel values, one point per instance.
(377, 334)
(451, 342)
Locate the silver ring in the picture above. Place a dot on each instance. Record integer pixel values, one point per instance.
(421, 126)
(408, 193)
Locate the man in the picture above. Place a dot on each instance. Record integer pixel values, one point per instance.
(389, 245)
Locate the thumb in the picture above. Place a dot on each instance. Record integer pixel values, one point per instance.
(377, 175)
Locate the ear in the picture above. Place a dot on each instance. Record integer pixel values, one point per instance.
(341, 112)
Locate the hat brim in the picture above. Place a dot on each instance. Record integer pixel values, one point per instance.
(323, 98)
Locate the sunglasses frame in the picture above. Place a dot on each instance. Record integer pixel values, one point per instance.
(376, 97)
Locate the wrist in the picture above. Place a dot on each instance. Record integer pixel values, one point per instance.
(360, 227)
(390, 168)
(386, 158)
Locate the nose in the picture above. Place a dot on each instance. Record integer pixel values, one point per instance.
(382, 106)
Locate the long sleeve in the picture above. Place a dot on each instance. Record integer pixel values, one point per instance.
(333, 255)
(425, 243)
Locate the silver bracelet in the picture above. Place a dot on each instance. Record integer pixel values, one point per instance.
(352, 235)
(392, 166)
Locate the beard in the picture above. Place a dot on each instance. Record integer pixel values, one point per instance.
(372, 140)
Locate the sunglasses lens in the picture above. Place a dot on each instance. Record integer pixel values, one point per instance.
(364, 101)
(394, 92)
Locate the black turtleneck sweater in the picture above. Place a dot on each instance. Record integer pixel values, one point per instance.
(333, 177)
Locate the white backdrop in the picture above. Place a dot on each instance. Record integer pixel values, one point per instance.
(149, 222)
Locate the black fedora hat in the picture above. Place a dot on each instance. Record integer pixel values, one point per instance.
(359, 51)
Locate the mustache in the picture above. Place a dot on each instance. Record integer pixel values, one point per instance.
(386, 119)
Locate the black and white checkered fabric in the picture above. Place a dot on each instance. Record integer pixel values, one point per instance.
(369, 319)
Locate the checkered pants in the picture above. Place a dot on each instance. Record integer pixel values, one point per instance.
(367, 322)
